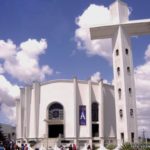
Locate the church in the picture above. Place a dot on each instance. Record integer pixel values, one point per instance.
(85, 112)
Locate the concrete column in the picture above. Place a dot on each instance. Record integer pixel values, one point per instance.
(18, 118)
(27, 108)
(36, 87)
(89, 110)
(101, 113)
(21, 111)
(75, 109)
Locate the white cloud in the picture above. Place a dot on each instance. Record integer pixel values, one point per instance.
(8, 113)
(96, 77)
(7, 49)
(142, 78)
(8, 92)
(22, 62)
(94, 15)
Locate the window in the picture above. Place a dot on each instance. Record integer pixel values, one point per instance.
(127, 51)
(128, 69)
(117, 52)
(94, 111)
(119, 93)
(55, 112)
(122, 137)
(132, 137)
(118, 71)
(130, 91)
(131, 112)
(121, 113)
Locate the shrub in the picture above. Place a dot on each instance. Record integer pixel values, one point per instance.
(126, 146)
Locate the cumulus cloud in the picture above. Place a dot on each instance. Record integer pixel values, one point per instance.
(22, 62)
(7, 49)
(96, 77)
(94, 15)
(8, 94)
(142, 78)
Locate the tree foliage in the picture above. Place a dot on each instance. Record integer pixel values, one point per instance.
(126, 146)
(2, 136)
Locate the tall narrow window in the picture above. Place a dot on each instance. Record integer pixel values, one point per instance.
(131, 112)
(132, 137)
(119, 93)
(122, 137)
(128, 69)
(130, 91)
(121, 113)
(127, 51)
(94, 111)
(118, 71)
(117, 52)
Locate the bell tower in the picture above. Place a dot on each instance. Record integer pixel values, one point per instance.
(120, 31)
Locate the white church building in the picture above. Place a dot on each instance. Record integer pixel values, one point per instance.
(82, 112)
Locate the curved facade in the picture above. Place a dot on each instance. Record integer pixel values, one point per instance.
(74, 110)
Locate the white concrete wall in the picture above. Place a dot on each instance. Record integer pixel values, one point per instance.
(109, 112)
(61, 92)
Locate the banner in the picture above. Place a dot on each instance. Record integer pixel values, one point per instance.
(82, 115)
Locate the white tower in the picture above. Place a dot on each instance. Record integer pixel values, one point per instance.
(120, 31)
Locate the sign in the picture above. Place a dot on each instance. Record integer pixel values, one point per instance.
(82, 115)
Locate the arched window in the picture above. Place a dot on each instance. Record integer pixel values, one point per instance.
(94, 111)
(55, 112)
(117, 52)
(128, 69)
(121, 113)
(119, 93)
(118, 71)
(127, 51)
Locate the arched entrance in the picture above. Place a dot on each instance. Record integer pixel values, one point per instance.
(55, 120)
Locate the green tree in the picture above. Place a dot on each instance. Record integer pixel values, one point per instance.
(2, 136)
(126, 146)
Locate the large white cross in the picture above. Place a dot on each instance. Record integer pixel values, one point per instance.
(120, 30)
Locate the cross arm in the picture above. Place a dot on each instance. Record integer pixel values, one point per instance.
(102, 32)
(137, 27)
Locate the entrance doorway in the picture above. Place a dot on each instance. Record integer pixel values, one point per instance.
(55, 130)
(95, 130)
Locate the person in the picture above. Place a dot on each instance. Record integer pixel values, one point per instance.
(1, 146)
(26, 147)
(88, 147)
(74, 147)
(70, 147)
(22, 146)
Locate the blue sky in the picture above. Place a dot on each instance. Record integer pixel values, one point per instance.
(55, 22)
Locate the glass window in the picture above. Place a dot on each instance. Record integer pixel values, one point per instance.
(131, 112)
(132, 137)
(130, 91)
(94, 111)
(55, 112)
(128, 69)
(118, 71)
(122, 137)
(121, 113)
(127, 51)
(117, 52)
(119, 93)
